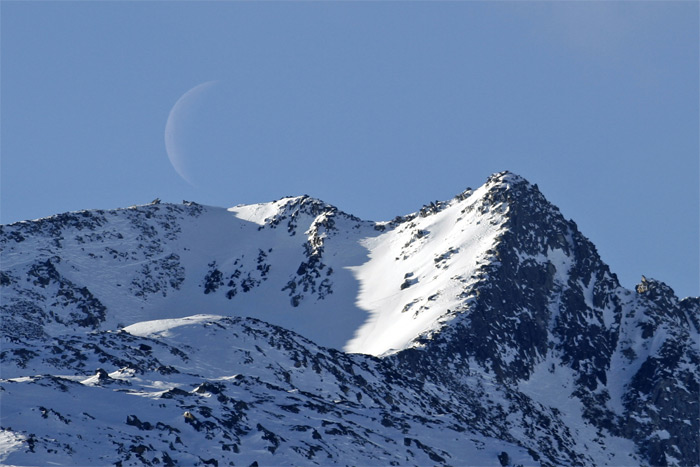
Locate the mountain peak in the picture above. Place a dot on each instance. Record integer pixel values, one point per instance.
(506, 177)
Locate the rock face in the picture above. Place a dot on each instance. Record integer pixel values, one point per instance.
(483, 330)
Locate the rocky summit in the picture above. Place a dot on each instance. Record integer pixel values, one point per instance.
(482, 330)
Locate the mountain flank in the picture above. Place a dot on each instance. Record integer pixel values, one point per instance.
(481, 330)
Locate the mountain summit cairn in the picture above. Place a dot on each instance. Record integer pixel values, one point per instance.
(642, 286)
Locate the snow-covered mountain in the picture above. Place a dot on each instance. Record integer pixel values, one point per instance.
(483, 330)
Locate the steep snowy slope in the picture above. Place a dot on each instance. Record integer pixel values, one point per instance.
(297, 262)
(496, 335)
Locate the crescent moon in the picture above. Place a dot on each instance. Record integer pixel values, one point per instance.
(176, 124)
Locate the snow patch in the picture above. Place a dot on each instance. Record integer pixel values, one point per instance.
(163, 327)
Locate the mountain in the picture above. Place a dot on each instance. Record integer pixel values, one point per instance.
(483, 330)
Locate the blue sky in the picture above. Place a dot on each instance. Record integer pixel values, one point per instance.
(375, 107)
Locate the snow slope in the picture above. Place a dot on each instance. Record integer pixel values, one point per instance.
(258, 260)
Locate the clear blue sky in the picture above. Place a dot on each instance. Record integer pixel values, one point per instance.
(375, 107)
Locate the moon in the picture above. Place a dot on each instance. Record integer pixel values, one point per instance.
(181, 121)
